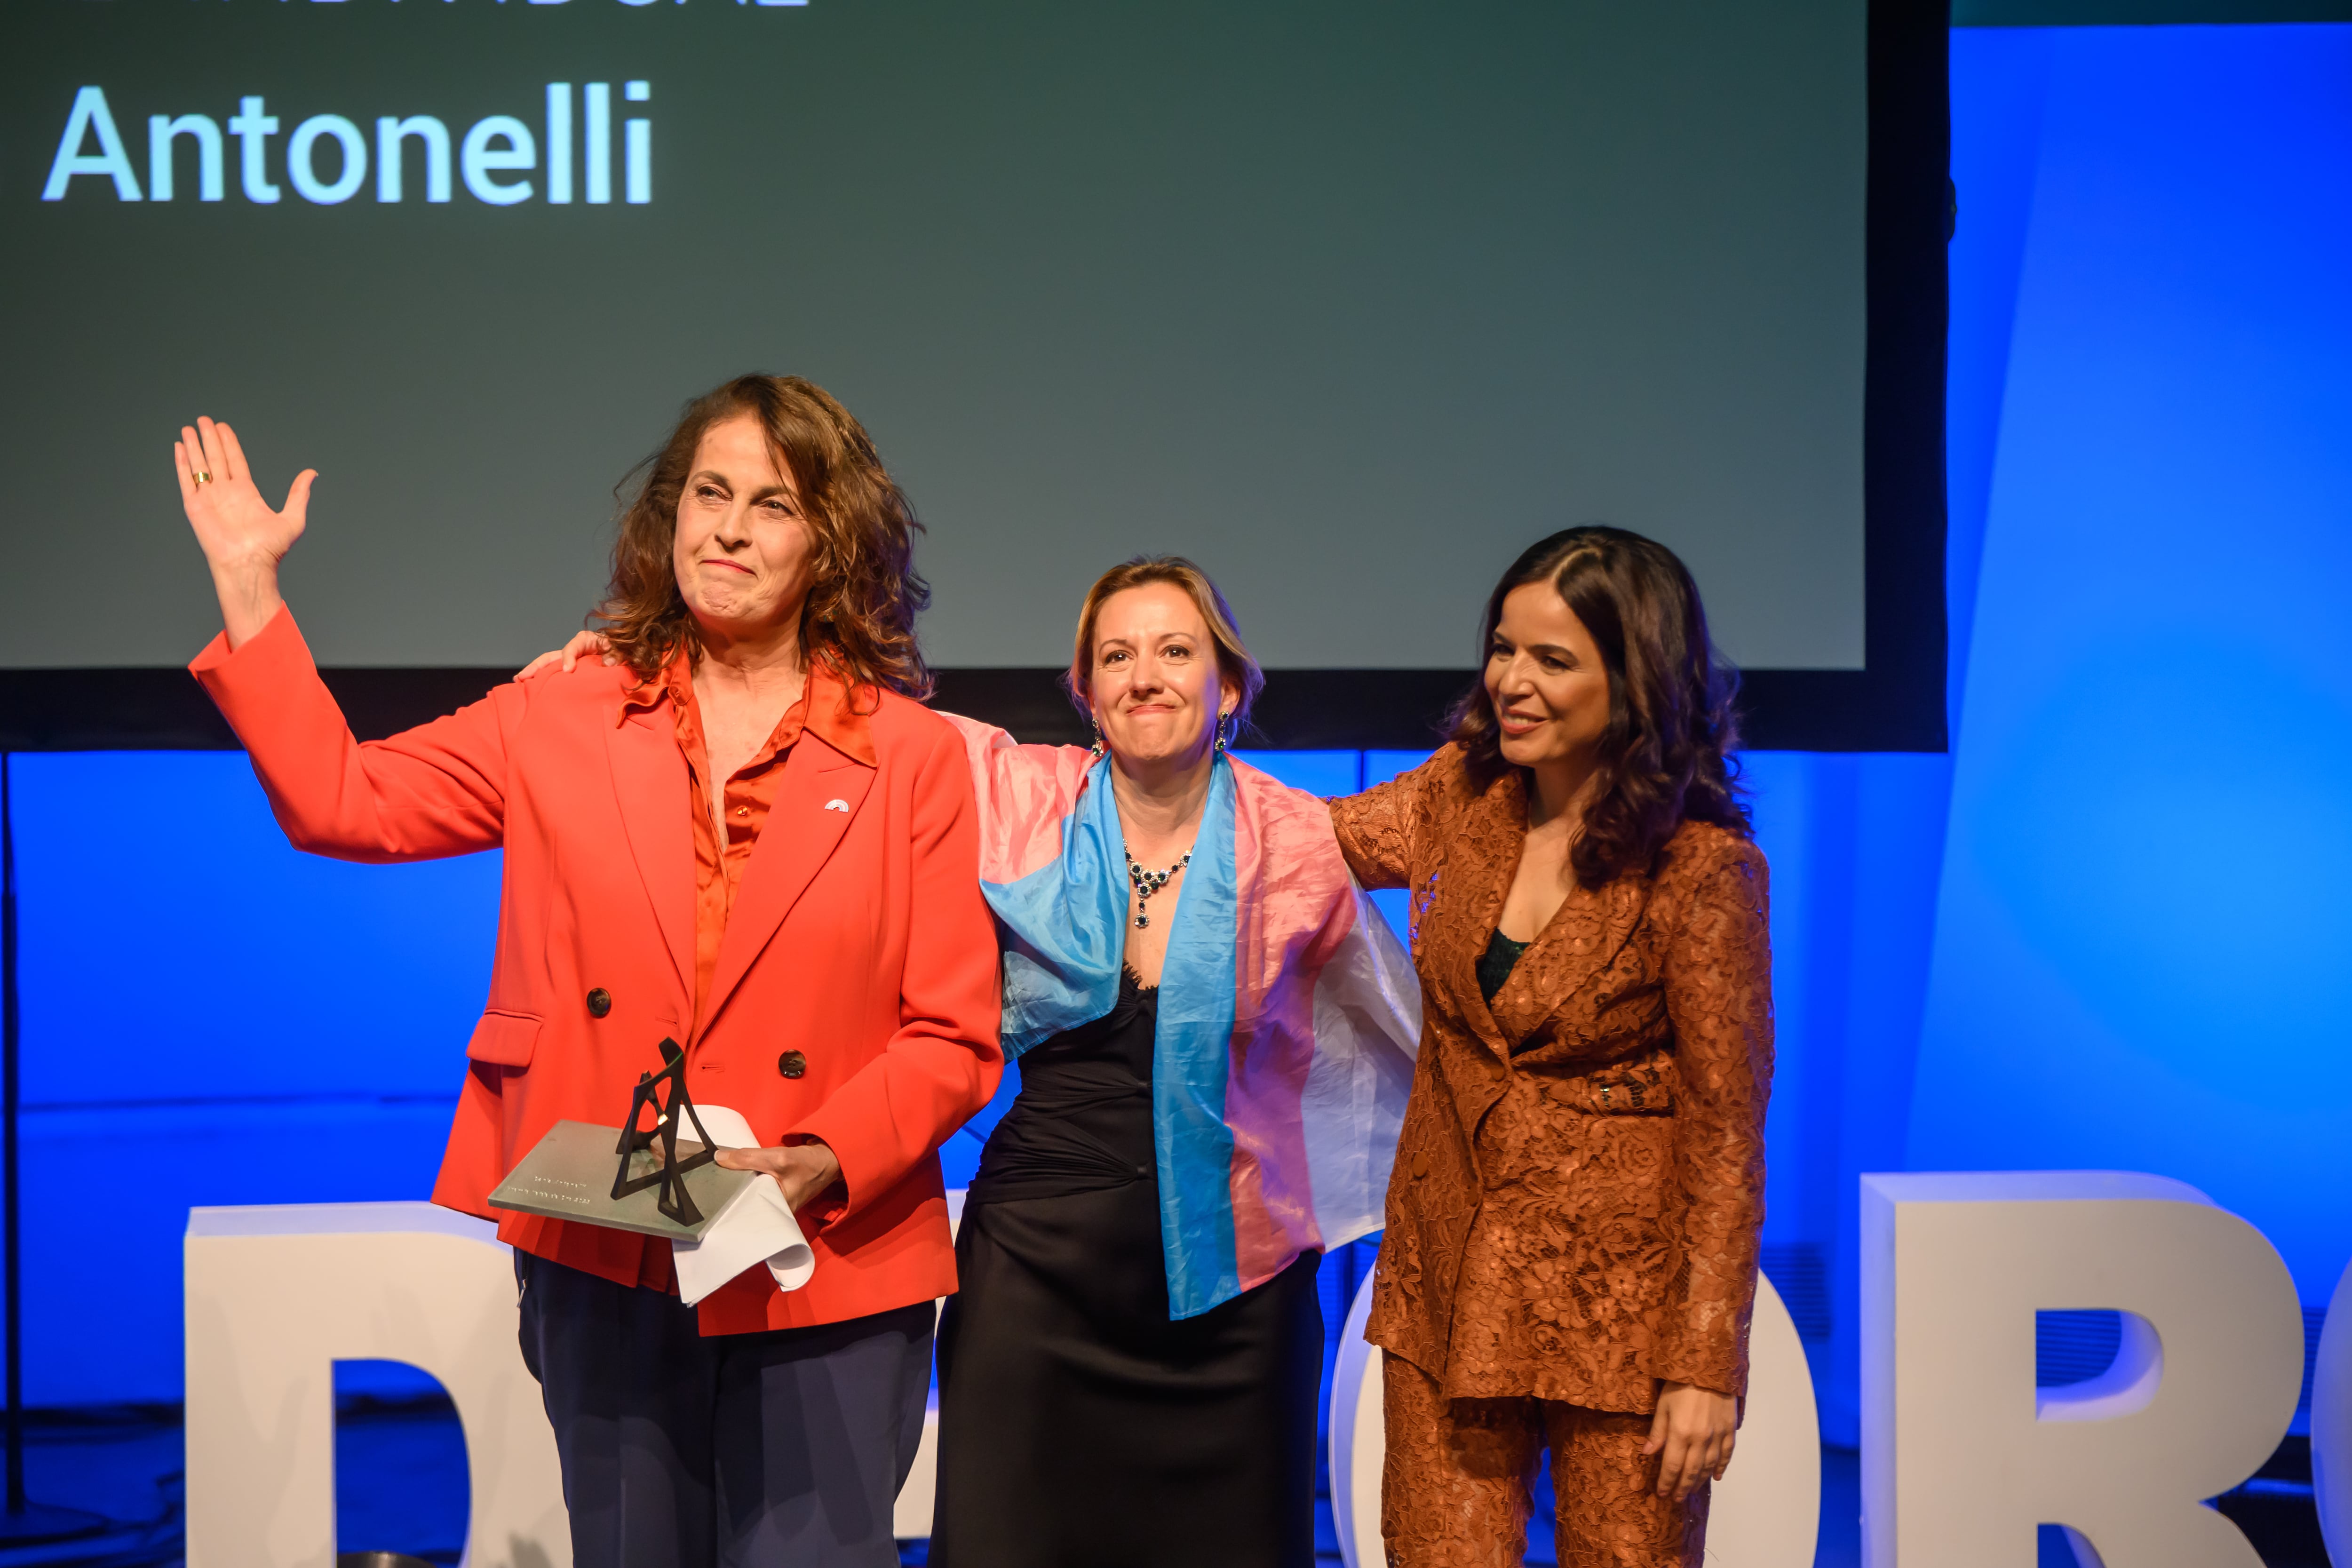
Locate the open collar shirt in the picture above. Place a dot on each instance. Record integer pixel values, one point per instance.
(827, 710)
(722, 848)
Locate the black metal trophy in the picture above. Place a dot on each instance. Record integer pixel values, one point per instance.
(669, 1116)
(564, 1176)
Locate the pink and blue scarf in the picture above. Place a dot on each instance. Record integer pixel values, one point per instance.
(1288, 1012)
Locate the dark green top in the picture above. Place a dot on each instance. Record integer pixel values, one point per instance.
(1495, 965)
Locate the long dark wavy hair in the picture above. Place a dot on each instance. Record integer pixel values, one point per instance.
(1667, 757)
(859, 616)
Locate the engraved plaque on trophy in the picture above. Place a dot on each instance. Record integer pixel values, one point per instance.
(658, 1179)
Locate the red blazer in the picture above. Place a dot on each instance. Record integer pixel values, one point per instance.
(859, 939)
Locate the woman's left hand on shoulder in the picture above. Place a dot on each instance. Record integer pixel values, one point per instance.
(1692, 1435)
(582, 645)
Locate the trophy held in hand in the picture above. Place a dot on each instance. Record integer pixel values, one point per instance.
(662, 1167)
(669, 1182)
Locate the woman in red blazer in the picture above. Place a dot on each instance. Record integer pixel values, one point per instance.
(749, 836)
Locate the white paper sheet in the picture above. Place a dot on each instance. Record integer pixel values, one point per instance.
(756, 1227)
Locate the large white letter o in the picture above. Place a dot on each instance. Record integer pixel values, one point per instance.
(2331, 1423)
(1766, 1512)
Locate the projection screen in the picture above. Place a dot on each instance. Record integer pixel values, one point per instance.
(1347, 302)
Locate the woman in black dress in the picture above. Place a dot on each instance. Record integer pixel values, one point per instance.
(1128, 1376)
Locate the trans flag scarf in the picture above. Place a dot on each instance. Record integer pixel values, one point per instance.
(1288, 1012)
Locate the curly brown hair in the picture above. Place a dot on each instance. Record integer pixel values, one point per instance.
(1667, 757)
(859, 616)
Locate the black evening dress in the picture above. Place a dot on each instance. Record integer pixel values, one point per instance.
(1078, 1426)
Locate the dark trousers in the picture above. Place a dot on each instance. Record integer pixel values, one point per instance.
(685, 1452)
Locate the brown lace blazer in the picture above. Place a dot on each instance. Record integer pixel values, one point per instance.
(1579, 1181)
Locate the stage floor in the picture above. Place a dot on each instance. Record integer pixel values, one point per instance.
(399, 1481)
(401, 1467)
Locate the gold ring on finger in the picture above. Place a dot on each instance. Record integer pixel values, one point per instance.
(202, 478)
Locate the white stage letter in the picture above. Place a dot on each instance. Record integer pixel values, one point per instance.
(1766, 1512)
(1962, 1457)
(275, 1297)
(2331, 1425)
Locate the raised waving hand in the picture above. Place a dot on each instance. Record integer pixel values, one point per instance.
(242, 540)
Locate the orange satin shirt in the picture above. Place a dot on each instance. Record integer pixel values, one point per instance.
(825, 711)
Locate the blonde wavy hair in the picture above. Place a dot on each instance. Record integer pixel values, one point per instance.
(1235, 665)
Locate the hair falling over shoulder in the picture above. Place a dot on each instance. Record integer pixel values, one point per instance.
(1667, 757)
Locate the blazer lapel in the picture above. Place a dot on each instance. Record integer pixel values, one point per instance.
(1505, 827)
(1581, 941)
(1583, 935)
(650, 783)
(817, 800)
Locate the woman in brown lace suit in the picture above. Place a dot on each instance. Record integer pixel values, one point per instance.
(1570, 1251)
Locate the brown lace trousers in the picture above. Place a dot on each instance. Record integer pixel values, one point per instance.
(1458, 1484)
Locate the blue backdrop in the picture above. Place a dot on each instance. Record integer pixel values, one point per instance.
(2100, 933)
(2139, 953)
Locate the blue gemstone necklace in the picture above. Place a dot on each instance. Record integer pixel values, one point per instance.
(1148, 882)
